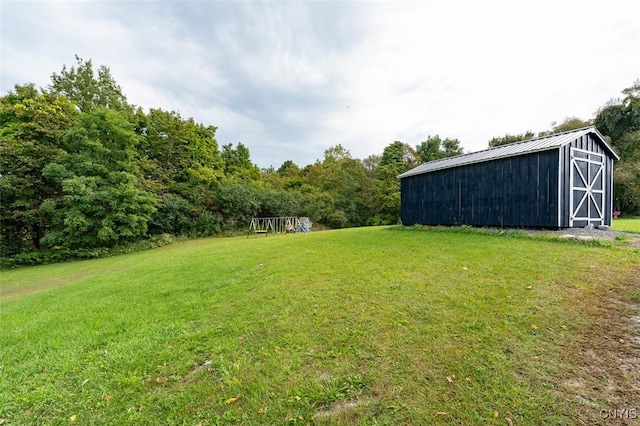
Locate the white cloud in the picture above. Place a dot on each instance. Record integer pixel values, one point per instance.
(289, 80)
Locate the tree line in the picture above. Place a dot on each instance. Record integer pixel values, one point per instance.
(83, 171)
(619, 122)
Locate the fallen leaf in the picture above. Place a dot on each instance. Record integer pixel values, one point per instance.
(391, 407)
(449, 379)
(464, 268)
(469, 378)
(73, 418)
(232, 399)
(442, 413)
(496, 414)
(260, 411)
(535, 327)
(509, 421)
(530, 287)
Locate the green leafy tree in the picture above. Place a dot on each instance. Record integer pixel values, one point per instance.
(320, 207)
(342, 178)
(507, 139)
(278, 203)
(177, 153)
(289, 169)
(32, 125)
(400, 154)
(86, 89)
(385, 195)
(619, 120)
(180, 162)
(434, 148)
(238, 161)
(568, 124)
(370, 165)
(620, 116)
(627, 187)
(101, 204)
(237, 202)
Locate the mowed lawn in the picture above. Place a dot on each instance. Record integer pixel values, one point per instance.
(358, 326)
(626, 224)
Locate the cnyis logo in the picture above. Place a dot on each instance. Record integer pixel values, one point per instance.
(619, 413)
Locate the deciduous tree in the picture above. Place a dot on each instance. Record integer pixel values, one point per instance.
(101, 204)
(32, 125)
(88, 91)
(435, 148)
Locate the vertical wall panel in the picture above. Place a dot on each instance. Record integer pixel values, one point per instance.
(526, 190)
(504, 192)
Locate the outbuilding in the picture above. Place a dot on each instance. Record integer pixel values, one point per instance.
(557, 181)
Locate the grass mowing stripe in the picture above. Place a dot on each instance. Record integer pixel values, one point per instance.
(361, 325)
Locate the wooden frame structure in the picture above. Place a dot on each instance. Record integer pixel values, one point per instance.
(276, 225)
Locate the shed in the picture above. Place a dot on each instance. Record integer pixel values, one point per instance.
(557, 181)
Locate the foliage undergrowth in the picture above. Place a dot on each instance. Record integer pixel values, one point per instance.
(357, 326)
(57, 255)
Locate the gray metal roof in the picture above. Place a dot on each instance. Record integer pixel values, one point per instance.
(511, 150)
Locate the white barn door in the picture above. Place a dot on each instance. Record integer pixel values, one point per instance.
(587, 188)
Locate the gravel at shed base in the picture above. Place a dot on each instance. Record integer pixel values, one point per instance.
(588, 234)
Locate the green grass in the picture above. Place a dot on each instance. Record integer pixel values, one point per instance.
(359, 326)
(626, 224)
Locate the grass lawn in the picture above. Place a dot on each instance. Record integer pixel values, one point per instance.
(358, 326)
(626, 224)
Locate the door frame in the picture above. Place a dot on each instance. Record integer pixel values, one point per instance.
(588, 187)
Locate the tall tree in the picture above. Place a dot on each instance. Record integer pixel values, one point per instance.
(620, 116)
(101, 204)
(237, 161)
(371, 163)
(507, 139)
(619, 120)
(400, 154)
(175, 152)
(32, 125)
(342, 178)
(568, 124)
(88, 91)
(435, 148)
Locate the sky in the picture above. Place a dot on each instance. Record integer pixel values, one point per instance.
(290, 79)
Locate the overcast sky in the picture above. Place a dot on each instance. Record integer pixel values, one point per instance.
(291, 79)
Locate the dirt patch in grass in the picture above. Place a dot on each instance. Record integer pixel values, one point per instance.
(25, 290)
(338, 409)
(604, 386)
(40, 285)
